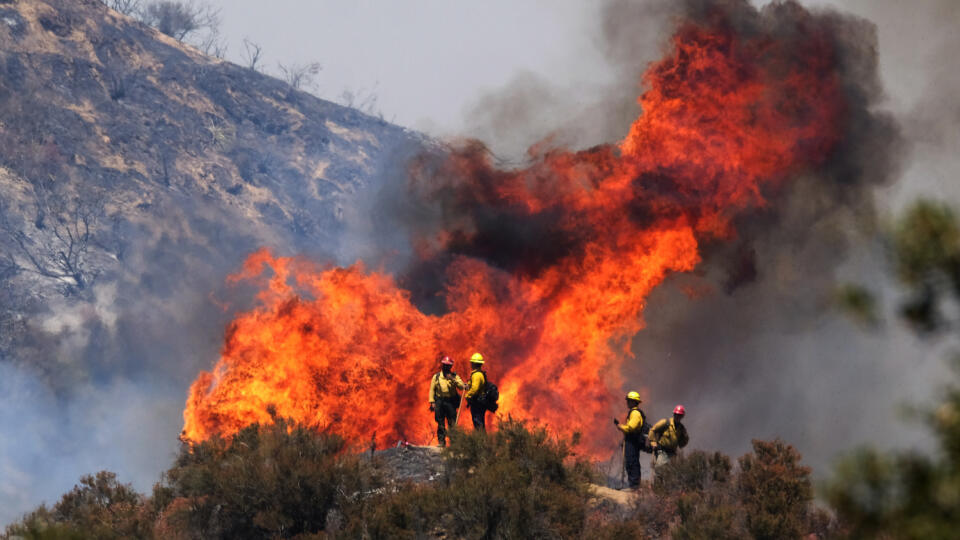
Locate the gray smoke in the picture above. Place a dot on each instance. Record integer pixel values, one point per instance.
(752, 342)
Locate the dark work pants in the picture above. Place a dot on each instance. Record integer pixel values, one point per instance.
(445, 413)
(631, 460)
(479, 415)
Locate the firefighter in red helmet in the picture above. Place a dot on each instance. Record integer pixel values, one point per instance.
(667, 436)
(445, 398)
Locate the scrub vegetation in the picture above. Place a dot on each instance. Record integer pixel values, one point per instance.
(282, 480)
(286, 481)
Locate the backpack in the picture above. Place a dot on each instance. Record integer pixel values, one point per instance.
(644, 433)
(489, 395)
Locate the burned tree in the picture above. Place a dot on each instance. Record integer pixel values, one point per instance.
(126, 7)
(251, 54)
(300, 76)
(65, 238)
(181, 19)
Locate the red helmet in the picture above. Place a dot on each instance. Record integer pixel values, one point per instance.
(446, 361)
(679, 410)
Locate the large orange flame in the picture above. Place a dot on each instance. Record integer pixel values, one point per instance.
(725, 119)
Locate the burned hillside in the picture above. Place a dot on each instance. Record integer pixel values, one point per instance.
(135, 173)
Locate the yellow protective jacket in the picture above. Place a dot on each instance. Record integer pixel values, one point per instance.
(669, 435)
(477, 382)
(441, 387)
(633, 423)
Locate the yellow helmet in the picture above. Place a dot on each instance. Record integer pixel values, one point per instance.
(477, 358)
(634, 396)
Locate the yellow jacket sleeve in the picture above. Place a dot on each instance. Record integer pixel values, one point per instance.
(476, 382)
(633, 423)
(459, 382)
(657, 430)
(433, 388)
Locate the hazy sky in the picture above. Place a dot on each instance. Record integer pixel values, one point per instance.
(425, 60)
(429, 61)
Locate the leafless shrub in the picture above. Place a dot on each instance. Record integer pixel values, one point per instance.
(365, 101)
(64, 239)
(181, 19)
(119, 81)
(213, 44)
(126, 7)
(300, 76)
(358, 100)
(251, 54)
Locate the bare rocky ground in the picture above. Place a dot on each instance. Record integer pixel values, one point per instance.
(411, 463)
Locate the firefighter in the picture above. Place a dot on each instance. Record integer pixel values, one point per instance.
(633, 438)
(478, 381)
(444, 398)
(667, 436)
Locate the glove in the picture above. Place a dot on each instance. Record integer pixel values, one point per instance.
(431, 407)
(616, 422)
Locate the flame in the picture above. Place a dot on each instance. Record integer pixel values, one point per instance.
(725, 119)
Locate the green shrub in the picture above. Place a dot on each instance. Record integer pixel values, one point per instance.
(100, 507)
(775, 491)
(512, 483)
(695, 471)
(272, 481)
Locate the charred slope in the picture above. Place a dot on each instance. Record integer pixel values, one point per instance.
(169, 164)
(135, 173)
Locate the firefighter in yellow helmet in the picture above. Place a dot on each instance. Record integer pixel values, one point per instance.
(444, 398)
(634, 435)
(667, 436)
(478, 381)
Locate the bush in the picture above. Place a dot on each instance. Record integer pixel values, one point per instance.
(775, 491)
(696, 471)
(181, 19)
(100, 507)
(514, 483)
(700, 490)
(273, 481)
(906, 495)
(283, 480)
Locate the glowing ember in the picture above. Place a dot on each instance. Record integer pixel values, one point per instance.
(725, 118)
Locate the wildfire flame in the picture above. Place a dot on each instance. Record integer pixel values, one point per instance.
(725, 119)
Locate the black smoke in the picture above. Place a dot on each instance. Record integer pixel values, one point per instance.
(750, 338)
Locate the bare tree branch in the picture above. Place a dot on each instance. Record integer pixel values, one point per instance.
(251, 54)
(181, 19)
(66, 239)
(364, 101)
(300, 76)
(126, 7)
(213, 45)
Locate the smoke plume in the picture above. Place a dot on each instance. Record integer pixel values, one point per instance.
(756, 147)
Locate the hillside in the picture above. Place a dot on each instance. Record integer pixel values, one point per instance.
(182, 162)
(136, 173)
